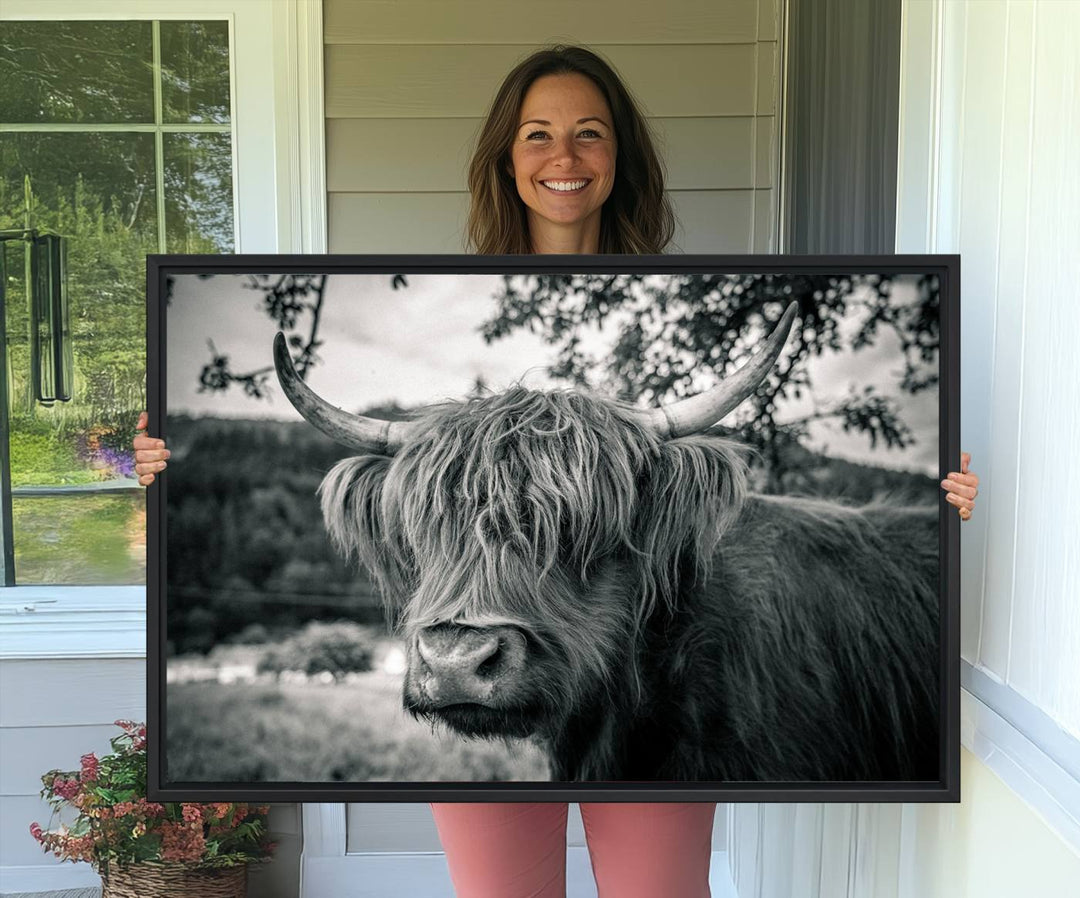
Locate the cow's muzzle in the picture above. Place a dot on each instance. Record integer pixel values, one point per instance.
(459, 664)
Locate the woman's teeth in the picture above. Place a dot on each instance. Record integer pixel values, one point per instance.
(564, 186)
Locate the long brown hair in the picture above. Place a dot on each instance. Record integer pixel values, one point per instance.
(637, 216)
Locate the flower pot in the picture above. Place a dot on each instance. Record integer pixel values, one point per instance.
(150, 880)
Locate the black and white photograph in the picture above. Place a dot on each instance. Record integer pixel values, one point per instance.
(471, 522)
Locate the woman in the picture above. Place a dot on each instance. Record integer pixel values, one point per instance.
(565, 164)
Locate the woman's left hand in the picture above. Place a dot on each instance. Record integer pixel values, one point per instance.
(962, 487)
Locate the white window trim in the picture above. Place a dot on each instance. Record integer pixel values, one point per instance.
(280, 207)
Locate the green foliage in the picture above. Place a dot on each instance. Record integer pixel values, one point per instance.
(40, 458)
(337, 648)
(88, 539)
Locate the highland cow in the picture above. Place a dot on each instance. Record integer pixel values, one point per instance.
(600, 578)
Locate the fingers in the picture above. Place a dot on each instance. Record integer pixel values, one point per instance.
(150, 452)
(961, 487)
(960, 501)
(142, 441)
(964, 488)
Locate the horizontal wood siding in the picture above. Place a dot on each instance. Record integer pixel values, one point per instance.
(400, 22)
(432, 154)
(453, 81)
(408, 83)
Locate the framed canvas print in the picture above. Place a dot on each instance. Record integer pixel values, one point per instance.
(578, 528)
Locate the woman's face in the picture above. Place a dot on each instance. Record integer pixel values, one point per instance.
(563, 154)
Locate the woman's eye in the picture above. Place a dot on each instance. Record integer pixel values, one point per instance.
(533, 134)
(590, 131)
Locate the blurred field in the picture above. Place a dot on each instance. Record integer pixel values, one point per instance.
(352, 731)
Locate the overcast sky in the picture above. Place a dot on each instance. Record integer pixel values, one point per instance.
(421, 344)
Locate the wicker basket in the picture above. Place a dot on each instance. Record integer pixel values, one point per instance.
(147, 880)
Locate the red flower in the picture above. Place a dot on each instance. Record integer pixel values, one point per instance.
(181, 841)
(65, 788)
(125, 831)
(149, 808)
(89, 768)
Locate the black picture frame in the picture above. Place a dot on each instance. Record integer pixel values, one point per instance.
(945, 789)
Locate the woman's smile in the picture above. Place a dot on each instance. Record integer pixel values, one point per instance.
(568, 187)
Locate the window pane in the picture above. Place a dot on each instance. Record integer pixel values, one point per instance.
(81, 540)
(195, 71)
(198, 193)
(76, 72)
(77, 179)
(98, 191)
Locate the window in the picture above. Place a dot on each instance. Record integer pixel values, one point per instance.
(118, 136)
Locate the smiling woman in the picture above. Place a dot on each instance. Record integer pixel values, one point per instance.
(562, 117)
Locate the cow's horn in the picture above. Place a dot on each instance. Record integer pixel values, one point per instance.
(354, 431)
(696, 413)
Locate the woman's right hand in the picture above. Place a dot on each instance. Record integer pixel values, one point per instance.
(150, 453)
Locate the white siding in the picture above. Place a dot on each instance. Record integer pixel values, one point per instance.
(54, 711)
(1008, 200)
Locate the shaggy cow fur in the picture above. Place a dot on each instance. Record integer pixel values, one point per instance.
(678, 627)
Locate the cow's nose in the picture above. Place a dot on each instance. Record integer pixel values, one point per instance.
(463, 664)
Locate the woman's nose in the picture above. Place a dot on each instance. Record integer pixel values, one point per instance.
(564, 149)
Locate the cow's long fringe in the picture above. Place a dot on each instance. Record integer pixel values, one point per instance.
(511, 507)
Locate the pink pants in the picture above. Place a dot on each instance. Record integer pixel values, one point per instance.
(519, 850)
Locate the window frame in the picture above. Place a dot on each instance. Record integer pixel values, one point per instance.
(284, 150)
